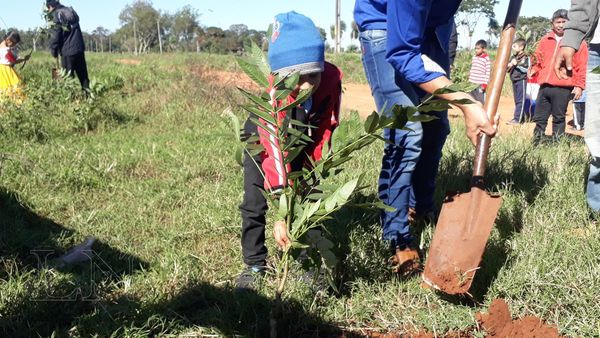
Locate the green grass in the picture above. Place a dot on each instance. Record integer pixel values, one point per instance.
(154, 179)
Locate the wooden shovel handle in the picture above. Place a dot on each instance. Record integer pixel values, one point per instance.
(494, 88)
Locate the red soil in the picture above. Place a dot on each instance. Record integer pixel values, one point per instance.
(498, 323)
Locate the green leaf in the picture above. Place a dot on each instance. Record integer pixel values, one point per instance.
(259, 59)
(283, 207)
(253, 71)
(264, 104)
(316, 196)
(235, 123)
(311, 209)
(329, 258)
(453, 88)
(260, 125)
(371, 123)
(462, 101)
(302, 96)
(345, 191)
(291, 81)
(423, 118)
(263, 115)
(283, 94)
(239, 156)
(434, 106)
(292, 154)
(298, 245)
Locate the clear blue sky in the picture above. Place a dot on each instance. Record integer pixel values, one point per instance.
(255, 14)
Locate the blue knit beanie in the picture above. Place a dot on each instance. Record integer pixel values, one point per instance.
(296, 45)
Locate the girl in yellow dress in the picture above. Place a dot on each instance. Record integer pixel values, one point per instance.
(10, 83)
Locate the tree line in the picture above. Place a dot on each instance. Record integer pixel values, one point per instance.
(145, 29)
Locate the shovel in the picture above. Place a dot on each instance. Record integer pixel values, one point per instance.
(56, 71)
(466, 220)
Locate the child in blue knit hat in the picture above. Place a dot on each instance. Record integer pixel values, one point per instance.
(295, 45)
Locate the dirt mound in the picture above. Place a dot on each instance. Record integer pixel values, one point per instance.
(498, 322)
(132, 62)
(225, 79)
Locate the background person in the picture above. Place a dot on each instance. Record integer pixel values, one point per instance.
(584, 24)
(67, 41)
(555, 93)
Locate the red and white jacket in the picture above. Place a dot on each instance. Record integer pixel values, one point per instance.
(323, 115)
(8, 56)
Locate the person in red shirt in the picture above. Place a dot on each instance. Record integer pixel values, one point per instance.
(555, 93)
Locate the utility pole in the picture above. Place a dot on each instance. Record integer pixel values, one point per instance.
(135, 50)
(337, 26)
(159, 35)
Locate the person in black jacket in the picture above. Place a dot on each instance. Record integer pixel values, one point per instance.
(518, 68)
(67, 41)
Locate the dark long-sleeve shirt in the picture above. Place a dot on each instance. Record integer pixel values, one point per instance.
(67, 38)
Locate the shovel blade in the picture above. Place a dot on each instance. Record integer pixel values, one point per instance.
(459, 240)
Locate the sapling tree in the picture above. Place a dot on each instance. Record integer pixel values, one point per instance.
(310, 197)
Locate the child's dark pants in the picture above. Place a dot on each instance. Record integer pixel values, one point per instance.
(519, 95)
(551, 101)
(253, 208)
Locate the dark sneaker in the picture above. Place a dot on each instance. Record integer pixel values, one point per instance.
(250, 277)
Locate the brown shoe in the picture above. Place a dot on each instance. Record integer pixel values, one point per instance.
(415, 219)
(406, 262)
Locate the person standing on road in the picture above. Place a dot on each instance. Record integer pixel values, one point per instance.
(555, 93)
(67, 41)
(584, 24)
(481, 67)
(405, 56)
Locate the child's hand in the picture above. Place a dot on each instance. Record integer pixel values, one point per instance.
(280, 233)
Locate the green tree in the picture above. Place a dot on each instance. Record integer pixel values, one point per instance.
(323, 33)
(342, 30)
(354, 32)
(184, 28)
(538, 26)
(138, 22)
(471, 12)
(99, 36)
(493, 31)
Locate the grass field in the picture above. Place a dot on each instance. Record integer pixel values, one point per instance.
(148, 168)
